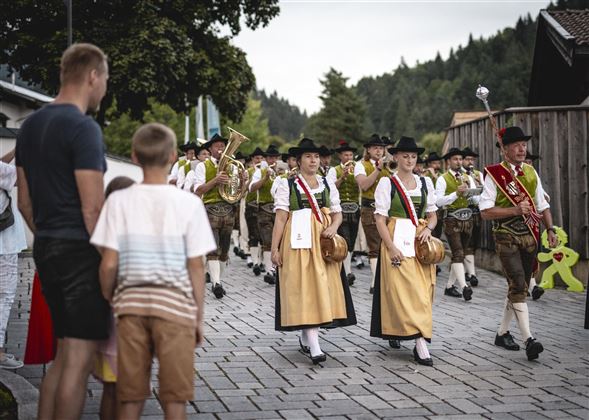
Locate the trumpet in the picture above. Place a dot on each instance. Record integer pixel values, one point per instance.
(388, 163)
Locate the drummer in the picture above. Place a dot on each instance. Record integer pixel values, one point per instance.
(407, 202)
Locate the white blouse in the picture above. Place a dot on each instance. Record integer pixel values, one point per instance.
(382, 195)
(282, 195)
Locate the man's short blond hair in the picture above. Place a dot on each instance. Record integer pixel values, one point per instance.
(80, 59)
(153, 143)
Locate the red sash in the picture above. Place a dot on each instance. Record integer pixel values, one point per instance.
(314, 208)
(516, 193)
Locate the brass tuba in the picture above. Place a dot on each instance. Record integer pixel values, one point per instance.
(237, 187)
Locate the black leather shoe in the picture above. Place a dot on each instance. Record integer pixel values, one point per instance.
(424, 362)
(474, 282)
(262, 268)
(236, 251)
(372, 290)
(249, 264)
(269, 278)
(360, 264)
(319, 358)
(395, 344)
(242, 254)
(257, 270)
(467, 293)
(218, 291)
(506, 341)
(304, 348)
(533, 348)
(452, 291)
(207, 277)
(438, 269)
(351, 278)
(537, 292)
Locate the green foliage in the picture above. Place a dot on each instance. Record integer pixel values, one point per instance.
(170, 51)
(253, 125)
(433, 142)
(342, 115)
(284, 120)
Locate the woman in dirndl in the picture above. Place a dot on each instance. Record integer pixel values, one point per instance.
(310, 292)
(404, 287)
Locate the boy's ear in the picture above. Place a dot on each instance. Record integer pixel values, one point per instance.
(134, 157)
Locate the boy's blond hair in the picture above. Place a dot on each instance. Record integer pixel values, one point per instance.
(153, 143)
(78, 60)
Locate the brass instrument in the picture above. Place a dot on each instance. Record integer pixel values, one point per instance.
(293, 172)
(350, 164)
(233, 191)
(388, 163)
(272, 171)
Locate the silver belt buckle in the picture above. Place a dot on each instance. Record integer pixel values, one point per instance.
(461, 214)
(350, 207)
(268, 207)
(219, 209)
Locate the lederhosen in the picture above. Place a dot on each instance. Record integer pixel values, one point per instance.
(458, 220)
(516, 242)
(367, 210)
(437, 232)
(266, 216)
(221, 216)
(475, 238)
(310, 292)
(411, 283)
(348, 193)
(251, 215)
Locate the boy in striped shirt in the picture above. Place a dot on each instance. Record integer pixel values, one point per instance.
(152, 237)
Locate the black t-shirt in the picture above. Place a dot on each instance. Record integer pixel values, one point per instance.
(52, 143)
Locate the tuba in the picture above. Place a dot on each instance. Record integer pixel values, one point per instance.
(237, 187)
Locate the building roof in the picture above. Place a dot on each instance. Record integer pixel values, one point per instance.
(461, 117)
(25, 93)
(8, 133)
(574, 22)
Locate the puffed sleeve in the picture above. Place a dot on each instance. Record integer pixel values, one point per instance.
(334, 199)
(489, 194)
(382, 197)
(431, 196)
(359, 169)
(281, 198)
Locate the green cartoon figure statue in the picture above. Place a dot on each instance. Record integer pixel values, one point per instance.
(563, 259)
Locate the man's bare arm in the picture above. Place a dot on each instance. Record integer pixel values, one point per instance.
(91, 189)
(25, 205)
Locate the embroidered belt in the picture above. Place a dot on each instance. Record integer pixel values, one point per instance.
(219, 209)
(267, 207)
(460, 214)
(514, 225)
(350, 207)
(366, 202)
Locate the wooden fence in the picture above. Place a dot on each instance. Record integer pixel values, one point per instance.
(560, 137)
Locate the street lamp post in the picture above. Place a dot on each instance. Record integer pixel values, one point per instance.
(68, 5)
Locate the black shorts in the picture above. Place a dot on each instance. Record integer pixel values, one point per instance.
(68, 271)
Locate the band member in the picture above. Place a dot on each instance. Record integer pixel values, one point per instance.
(221, 214)
(310, 292)
(182, 166)
(251, 215)
(404, 288)
(513, 198)
(469, 158)
(343, 177)
(419, 166)
(433, 169)
(325, 158)
(261, 184)
(451, 191)
(367, 174)
(236, 225)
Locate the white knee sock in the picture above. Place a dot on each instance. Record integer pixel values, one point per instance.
(451, 278)
(532, 283)
(268, 260)
(215, 271)
(469, 265)
(255, 252)
(458, 269)
(421, 347)
(507, 317)
(304, 340)
(523, 319)
(373, 263)
(313, 341)
(348, 263)
(222, 267)
(235, 237)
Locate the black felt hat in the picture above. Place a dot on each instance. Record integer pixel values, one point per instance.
(375, 140)
(284, 157)
(272, 151)
(432, 157)
(345, 147)
(511, 135)
(189, 146)
(467, 151)
(406, 144)
(306, 145)
(454, 151)
(216, 138)
(387, 140)
(257, 152)
(325, 151)
(239, 155)
(420, 159)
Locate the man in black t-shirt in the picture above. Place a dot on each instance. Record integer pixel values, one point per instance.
(60, 164)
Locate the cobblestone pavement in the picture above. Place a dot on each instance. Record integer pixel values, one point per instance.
(247, 370)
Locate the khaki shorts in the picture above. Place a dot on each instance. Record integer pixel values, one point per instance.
(139, 338)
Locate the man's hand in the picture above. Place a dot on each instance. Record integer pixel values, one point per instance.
(221, 178)
(461, 189)
(524, 208)
(200, 336)
(552, 239)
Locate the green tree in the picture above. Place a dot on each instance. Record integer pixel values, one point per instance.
(342, 114)
(254, 126)
(433, 142)
(171, 51)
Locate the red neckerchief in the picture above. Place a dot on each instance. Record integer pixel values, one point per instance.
(314, 209)
(515, 193)
(408, 203)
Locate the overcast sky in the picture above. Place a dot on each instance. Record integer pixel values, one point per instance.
(364, 38)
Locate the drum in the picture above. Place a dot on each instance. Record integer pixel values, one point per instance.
(429, 252)
(334, 249)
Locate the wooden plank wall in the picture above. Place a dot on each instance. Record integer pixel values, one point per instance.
(560, 137)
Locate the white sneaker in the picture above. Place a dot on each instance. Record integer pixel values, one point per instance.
(7, 362)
